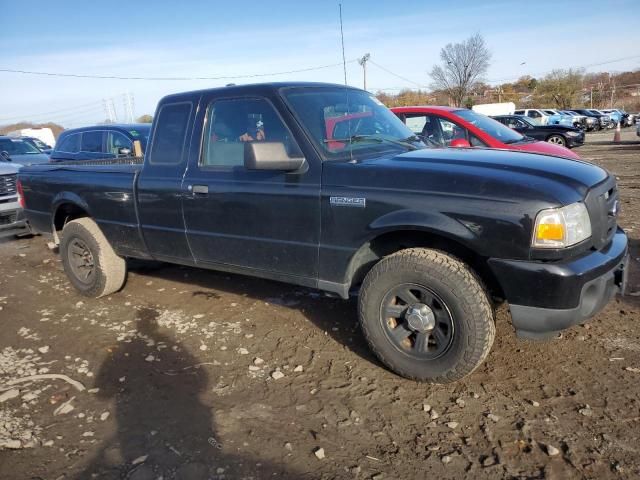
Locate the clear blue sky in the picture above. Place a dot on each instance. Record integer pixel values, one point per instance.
(213, 38)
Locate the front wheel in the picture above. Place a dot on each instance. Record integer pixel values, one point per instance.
(89, 261)
(426, 315)
(557, 140)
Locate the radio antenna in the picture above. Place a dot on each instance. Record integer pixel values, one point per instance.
(344, 61)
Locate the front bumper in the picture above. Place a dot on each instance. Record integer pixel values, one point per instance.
(545, 298)
(575, 141)
(12, 220)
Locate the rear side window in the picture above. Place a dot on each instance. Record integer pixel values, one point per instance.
(170, 133)
(92, 142)
(70, 144)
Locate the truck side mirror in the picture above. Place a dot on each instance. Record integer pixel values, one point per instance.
(460, 143)
(270, 156)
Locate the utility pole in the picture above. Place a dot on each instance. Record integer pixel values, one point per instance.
(591, 96)
(363, 63)
(613, 92)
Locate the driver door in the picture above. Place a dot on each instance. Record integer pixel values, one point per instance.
(264, 220)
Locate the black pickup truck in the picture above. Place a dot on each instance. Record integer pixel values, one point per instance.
(322, 186)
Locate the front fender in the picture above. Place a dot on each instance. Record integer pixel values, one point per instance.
(431, 222)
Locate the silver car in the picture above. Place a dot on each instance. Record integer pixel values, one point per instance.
(12, 221)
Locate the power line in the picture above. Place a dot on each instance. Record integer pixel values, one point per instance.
(574, 67)
(66, 109)
(396, 75)
(225, 77)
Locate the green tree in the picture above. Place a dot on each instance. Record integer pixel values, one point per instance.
(561, 88)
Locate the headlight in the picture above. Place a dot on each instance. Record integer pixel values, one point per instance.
(562, 227)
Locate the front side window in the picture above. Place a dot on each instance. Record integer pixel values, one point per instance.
(344, 123)
(233, 122)
(116, 141)
(170, 134)
(71, 144)
(451, 131)
(92, 142)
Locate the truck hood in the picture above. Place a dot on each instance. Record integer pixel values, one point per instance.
(7, 168)
(29, 159)
(485, 173)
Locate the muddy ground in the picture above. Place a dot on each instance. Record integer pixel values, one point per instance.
(177, 381)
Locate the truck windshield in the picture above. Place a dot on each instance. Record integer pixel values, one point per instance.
(344, 122)
(490, 126)
(17, 147)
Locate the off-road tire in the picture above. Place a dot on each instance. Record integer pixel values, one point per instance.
(110, 270)
(465, 296)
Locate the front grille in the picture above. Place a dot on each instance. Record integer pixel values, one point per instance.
(8, 219)
(8, 185)
(603, 203)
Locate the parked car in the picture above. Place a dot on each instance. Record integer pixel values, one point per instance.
(39, 144)
(638, 129)
(447, 126)
(603, 119)
(18, 151)
(558, 118)
(100, 141)
(587, 123)
(12, 220)
(244, 179)
(536, 115)
(557, 134)
(615, 116)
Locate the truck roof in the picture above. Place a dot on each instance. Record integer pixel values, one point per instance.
(258, 88)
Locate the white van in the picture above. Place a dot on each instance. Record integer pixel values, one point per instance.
(42, 133)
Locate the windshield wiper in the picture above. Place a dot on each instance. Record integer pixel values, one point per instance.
(406, 142)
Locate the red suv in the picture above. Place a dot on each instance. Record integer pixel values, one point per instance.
(460, 127)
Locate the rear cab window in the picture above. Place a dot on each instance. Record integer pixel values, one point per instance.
(170, 134)
(70, 144)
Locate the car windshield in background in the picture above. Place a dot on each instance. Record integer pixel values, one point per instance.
(40, 144)
(17, 147)
(490, 126)
(343, 122)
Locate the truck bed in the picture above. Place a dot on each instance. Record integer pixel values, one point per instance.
(104, 189)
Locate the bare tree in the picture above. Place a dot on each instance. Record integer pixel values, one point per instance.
(463, 64)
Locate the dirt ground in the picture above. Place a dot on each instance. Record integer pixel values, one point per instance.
(178, 380)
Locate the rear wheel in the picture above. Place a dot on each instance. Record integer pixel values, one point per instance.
(557, 140)
(426, 315)
(89, 261)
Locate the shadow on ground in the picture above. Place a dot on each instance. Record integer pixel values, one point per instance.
(164, 430)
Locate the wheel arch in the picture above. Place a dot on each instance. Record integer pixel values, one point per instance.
(402, 237)
(66, 206)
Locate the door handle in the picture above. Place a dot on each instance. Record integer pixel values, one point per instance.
(199, 189)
